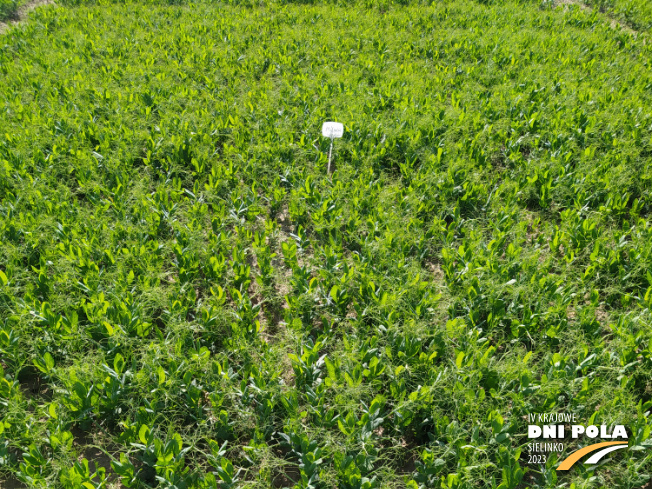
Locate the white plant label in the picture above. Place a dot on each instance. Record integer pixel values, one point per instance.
(332, 129)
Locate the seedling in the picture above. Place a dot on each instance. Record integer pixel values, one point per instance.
(332, 130)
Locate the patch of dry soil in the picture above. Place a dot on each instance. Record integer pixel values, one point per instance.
(23, 10)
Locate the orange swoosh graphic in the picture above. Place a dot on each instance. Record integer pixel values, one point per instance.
(575, 456)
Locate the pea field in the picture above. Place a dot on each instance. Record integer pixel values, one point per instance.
(188, 299)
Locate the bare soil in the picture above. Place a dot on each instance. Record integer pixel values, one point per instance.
(22, 13)
(614, 24)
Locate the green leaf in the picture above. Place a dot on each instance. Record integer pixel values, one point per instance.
(118, 363)
(143, 434)
(161, 375)
(459, 359)
(49, 361)
(3, 278)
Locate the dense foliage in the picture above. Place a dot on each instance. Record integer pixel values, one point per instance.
(8, 9)
(188, 300)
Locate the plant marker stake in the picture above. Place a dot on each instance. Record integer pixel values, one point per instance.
(332, 130)
(330, 152)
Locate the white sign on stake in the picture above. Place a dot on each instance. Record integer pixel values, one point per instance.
(332, 130)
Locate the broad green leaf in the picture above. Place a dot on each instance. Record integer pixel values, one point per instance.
(143, 434)
(161, 375)
(118, 363)
(459, 359)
